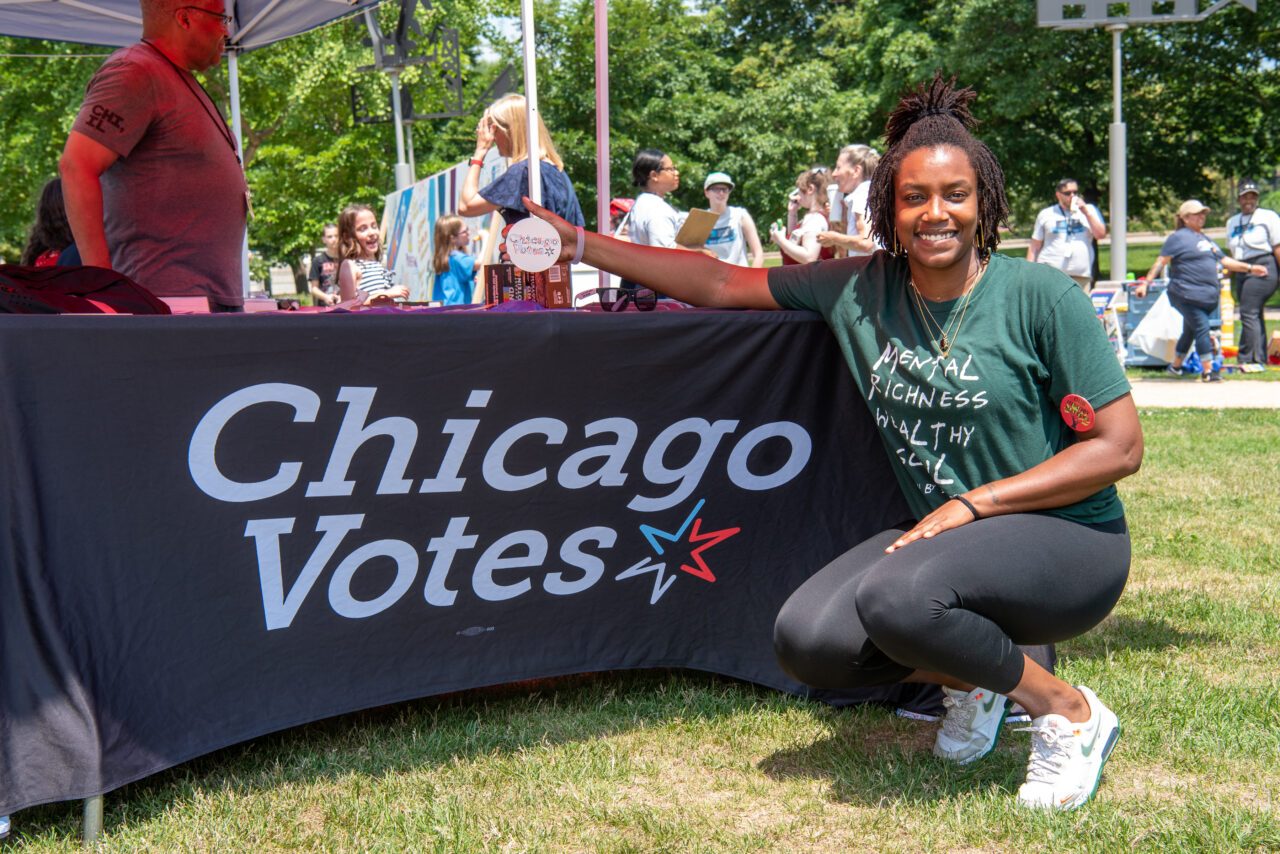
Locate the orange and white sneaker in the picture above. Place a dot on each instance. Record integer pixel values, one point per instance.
(1067, 758)
(971, 725)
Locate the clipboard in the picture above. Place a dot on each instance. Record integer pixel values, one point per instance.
(697, 228)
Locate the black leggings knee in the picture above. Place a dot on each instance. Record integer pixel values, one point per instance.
(959, 603)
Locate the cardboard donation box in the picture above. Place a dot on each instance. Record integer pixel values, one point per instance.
(508, 283)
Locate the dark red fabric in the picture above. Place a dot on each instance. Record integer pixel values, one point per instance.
(73, 290)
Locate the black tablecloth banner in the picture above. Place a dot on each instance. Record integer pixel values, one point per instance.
(218, 527)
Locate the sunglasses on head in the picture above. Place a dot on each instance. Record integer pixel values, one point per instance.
(616, 299)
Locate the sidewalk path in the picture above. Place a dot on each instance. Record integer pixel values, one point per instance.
(1190, 393)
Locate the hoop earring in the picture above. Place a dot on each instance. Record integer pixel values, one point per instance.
(982, 243)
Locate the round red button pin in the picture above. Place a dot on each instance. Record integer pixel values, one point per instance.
(1077, 412)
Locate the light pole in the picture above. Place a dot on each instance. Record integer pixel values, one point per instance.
(1087, 14)
(1119, 163)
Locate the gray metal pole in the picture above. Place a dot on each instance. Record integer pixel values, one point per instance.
(233, 79)
(408, 141)
(531, 100)
(92, 819)
(1119, 169)
(403, 177)
(602, 126)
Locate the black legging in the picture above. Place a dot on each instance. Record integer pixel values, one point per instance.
(957, 604)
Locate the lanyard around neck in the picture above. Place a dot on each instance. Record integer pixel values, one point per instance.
(214, 116)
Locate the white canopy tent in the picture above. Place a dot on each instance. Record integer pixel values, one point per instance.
(115, 23)
(257, 23)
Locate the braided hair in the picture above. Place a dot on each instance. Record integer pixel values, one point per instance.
(937, 113)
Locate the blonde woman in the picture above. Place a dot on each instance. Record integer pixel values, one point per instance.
(855, 167)
(505, 125)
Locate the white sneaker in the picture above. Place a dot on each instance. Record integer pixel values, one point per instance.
(971, 725)
(1067, 758)
(4, 826)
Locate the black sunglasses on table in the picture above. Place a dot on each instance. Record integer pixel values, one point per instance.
(616, 299)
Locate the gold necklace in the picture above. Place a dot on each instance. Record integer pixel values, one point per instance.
(948, 334)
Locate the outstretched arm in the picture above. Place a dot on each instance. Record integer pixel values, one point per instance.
(1112, 450)
(688, 276)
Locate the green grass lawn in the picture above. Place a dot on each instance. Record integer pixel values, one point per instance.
(671, 761)
(1271, 376)
(1138, 261)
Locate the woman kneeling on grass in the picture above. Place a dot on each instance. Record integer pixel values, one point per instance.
(966, 359)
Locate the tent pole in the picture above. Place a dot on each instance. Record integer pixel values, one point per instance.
(233, 79)
(603, 223)
(408, 144)
(531, 101)
(403, 178)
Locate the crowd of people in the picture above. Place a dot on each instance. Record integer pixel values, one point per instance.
(648, 218)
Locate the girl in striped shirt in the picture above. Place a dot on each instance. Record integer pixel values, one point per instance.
(360, 246)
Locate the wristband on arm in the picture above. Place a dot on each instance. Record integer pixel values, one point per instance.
(967, 503)
(582, 244)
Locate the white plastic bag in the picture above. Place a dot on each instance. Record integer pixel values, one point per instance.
(1157, 333)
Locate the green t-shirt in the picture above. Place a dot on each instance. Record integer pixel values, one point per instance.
(989, 410)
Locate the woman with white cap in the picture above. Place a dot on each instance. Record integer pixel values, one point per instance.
(734, 234)
(1193, 261)
(1253, 236)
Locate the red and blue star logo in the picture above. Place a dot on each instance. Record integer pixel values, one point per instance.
(698, 541)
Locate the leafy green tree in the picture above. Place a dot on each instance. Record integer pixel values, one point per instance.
(760, 89)
(35, 92)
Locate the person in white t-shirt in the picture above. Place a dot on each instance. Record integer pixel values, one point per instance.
(734, 234)
(653, 222)
(1253, 236)
(1061, 237)
(801, 245)
(854, 167)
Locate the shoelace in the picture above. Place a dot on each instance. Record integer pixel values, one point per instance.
(1050, 750)
(959, 718)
